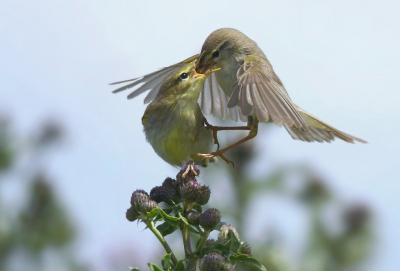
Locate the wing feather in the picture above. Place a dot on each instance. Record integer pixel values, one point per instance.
(279, 107)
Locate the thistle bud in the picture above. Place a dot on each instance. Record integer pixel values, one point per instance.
(244, 249)
(148, 206)
(193, 218)
(225, 231)
(169, 182)
(210, 219)
(203, 195)
(189, 190)
(211, 242)
(131, 214)
(167, 192)
(137, 199)
(214, 262)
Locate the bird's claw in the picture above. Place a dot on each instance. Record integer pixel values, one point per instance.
(215, 154)
(189, 167)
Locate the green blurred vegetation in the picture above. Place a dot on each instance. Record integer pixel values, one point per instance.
(345, 246)
(36, 232)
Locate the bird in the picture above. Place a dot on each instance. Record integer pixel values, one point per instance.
(173, 122)
(246, 88)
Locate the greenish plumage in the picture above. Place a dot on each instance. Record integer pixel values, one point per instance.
(245, 86)
(173, 122)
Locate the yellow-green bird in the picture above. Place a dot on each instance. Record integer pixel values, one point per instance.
(245, 88)
(173, 121)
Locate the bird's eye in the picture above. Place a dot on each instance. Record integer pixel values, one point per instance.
(216, 54)
(184, 75)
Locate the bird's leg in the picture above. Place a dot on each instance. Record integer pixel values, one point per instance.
(215, 129)
(253, 125)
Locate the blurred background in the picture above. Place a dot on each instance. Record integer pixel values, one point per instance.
(71, 153)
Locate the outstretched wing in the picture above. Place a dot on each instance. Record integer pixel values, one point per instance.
(151, 81)
(258, 89)
(212, 99)
(319, 131)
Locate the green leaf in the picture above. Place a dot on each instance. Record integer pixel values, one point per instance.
(183, 219)
(180, 266)
(216, 247)
(198, 208)
(154, 267)
(250, 263)
(235, 243)
(134, 269)
(166, 228)
(168, 217)
(168, 210)
(166, 262)
(153, 213)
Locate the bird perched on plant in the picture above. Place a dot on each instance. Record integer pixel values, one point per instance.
(173, 121)
(246, 87)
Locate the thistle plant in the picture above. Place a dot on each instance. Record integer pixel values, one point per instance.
(177, 205)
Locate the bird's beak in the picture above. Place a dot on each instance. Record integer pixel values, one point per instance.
(203, 71)
(197, 75)
(206, 67)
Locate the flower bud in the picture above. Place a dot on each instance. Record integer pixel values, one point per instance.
(189, 191)
(148, 206)
(169, 182)
(203, 195)
(138, 197)
(193, 218)
(167, 194)
(210, 242)
(210, 219)
(214, 262)
(225, 231)
(131, 214)
(244, 249)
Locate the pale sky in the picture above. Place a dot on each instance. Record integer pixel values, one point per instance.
(340, 61)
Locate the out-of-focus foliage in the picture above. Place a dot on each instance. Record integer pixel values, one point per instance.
(347, 247)
(36, 224)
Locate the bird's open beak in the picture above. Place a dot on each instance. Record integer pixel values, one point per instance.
(197, 75)
(203, 71)
(206, 67)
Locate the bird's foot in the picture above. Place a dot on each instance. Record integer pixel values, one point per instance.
(190, 167)
(214, 155)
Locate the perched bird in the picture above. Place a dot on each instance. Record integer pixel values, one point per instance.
(173, 121)
(246, 88)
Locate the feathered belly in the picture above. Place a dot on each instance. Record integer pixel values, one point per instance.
(178, 143)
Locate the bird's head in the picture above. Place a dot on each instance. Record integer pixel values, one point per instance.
(225, 44)
(184, 82)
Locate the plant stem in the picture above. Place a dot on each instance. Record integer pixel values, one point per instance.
(203, 241)
(152, 227)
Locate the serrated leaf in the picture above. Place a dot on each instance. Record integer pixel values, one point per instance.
(154, 267)
(166, 228)
(251, 263)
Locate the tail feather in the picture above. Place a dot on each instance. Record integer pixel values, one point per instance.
(319, 131)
